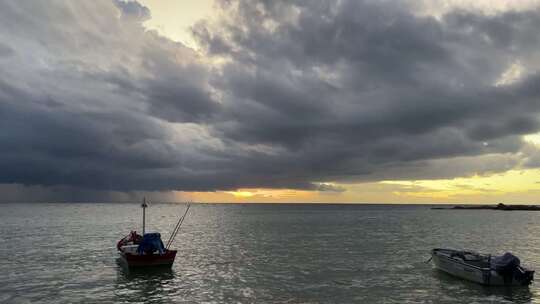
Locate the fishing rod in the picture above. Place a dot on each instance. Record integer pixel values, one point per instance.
(177, 227)
(181, 222)
(174, 231)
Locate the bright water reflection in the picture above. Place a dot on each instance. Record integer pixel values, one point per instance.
(62, 253)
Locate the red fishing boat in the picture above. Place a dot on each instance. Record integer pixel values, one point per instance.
(147, 249)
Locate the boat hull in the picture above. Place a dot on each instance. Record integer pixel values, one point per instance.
(149, 260)
(444, 261)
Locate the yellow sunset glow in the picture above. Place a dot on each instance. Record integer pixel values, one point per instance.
(515, 186)
(269, 195)
(533, 138)
(499, 186)
(241, 193)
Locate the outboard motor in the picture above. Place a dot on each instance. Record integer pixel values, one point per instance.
(505, 262)
(524, 276)
(508, 267)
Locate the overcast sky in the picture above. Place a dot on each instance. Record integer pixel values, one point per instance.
(311, 100)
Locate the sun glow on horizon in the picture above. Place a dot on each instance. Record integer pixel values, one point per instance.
(241, 193)
(501, 185)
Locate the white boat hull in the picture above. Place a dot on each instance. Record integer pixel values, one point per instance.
(444, 261)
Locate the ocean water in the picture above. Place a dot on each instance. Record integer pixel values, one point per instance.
(65, 253)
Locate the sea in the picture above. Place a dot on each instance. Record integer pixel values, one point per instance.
(258, 253)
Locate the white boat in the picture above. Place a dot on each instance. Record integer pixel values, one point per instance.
(483, 269)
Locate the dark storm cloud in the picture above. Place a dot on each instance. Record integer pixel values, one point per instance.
(176, 94)
(329, 188)
(5, 50)
(305, 93)
(81, 113)
(382, 87)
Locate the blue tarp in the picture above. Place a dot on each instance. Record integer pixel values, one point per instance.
(150, 243)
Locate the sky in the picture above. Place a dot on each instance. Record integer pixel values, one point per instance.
(350, 101)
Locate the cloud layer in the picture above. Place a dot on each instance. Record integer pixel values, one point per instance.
(283, 94)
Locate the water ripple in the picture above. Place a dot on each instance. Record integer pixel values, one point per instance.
(61, 253)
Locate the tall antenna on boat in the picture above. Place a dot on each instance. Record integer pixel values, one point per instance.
(144, 205)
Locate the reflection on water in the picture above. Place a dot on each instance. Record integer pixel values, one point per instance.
(452, 287)
(133, 285)
(65, 253)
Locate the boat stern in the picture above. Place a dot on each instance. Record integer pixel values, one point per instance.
(147, 260)
(524, 276)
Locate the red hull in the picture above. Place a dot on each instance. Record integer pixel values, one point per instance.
(165, 259)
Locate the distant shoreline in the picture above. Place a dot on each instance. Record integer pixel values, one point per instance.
(501, 206)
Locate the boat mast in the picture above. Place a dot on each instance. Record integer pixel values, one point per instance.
(144, 205)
